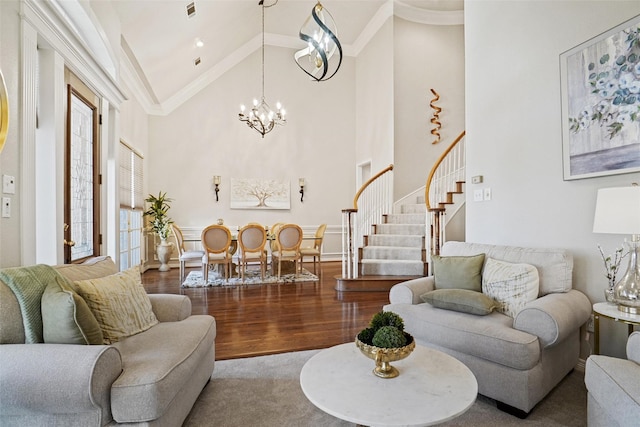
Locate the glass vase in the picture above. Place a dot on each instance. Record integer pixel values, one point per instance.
(609, 295)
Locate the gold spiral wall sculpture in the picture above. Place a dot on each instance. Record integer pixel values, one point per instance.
(436, 116)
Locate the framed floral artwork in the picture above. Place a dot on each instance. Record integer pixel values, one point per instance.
(251, 193)
(600, 82)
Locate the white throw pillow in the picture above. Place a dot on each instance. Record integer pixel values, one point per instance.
(511, 285)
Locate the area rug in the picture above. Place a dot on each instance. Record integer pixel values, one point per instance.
(265, 392)
(195, 280)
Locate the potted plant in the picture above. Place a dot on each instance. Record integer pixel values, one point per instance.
(385, 341)
(160, 223)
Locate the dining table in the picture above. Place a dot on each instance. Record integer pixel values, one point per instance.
(193, 241)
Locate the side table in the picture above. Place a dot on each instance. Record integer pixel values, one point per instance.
(610, 311)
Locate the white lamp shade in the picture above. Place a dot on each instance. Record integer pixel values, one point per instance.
(618, 211)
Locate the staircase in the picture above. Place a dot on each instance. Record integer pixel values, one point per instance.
(397, 246)
(382, 249)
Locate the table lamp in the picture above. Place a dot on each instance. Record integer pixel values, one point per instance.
(618, 212)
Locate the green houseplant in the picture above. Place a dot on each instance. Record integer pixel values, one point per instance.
(384, 341)
(160, 223)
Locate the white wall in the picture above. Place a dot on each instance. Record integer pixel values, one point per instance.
(134, 123)
(425, 57)
(10, 249)
(514, 133)
(204, 137)
(374, 103)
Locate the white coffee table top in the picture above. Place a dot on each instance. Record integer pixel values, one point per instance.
(432, 387)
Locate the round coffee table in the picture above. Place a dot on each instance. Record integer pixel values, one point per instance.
(432, 387)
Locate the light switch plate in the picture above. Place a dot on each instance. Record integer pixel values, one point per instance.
(8, 184)
(476, 179)
(487, 194)
(477, 195)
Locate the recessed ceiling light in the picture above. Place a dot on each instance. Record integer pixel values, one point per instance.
(191, 10)
(196, 61)
(199, 43)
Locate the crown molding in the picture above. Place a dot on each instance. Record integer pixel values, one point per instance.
(56, 27)
(388, 9)
(428, 17)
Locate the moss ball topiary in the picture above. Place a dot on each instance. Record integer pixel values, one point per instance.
(366, 335)
(389, 337)
(386, 318)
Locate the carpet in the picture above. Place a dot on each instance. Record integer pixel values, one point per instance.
(252, 277)
(265, 392)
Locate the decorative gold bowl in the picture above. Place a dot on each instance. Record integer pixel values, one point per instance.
(383, 356)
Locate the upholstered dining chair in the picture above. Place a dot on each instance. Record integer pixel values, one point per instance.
(271, 238)
(316, 250)
(184, 255)
(252, 239)
(216, 242)
(287, 247)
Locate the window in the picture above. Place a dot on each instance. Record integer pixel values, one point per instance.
(131, 207)
(82, 183)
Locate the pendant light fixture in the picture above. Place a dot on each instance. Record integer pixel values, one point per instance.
(261, 117)
(320, 33)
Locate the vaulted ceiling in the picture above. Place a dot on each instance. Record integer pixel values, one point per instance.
(159, 37)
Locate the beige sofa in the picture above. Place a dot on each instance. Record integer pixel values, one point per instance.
(149, 379)
(613, 387)
(516, 361)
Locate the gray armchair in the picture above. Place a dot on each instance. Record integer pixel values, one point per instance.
(613, 385)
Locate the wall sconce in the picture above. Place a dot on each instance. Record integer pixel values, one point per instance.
(216, 182)
(301, 184)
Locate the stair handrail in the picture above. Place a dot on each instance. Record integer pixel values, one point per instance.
(437, 164)
(368, 183)
(356, 222)
(446, 176)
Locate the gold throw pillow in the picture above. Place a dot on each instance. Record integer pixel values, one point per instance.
(119, 303)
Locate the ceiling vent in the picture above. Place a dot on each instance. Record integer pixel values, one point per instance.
(196, 61)
(191, 10)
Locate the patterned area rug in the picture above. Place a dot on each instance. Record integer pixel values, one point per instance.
(195, 280)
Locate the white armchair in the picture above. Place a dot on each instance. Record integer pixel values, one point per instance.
(613, 386)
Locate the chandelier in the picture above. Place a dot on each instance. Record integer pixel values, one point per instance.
(320, 33)
(261, 117)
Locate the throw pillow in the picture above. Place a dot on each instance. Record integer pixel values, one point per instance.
(462, 300)
(458, 272)
(119, 303)
(512, 285)
(66, 317)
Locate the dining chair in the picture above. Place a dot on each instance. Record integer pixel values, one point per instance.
(252, 239)
(184, 255)
(216, 242)
(288, 240)
(316, 250)
(271, 238)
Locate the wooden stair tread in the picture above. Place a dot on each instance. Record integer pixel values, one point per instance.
(369, 283)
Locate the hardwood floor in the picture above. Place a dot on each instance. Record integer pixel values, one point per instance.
(255, 320)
